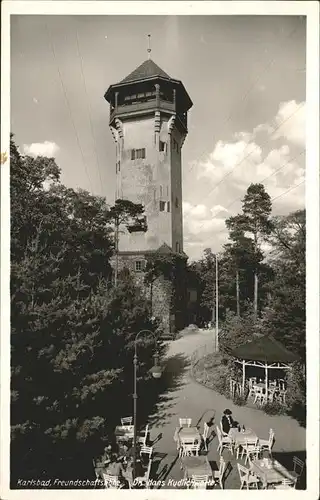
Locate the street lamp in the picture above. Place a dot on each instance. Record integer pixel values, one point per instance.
(217, 306)
(156, 373)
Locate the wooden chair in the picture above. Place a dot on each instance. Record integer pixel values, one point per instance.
(251, 452)
(189, 450)
(267, 444)
(143, 439)
(199, 482)
(126, 421)
(287, 484)
(259, 396)
(146, 450)
(224, 442)
(252, 382)
(247, 478)
(218, 474)
(111, 482)
(185, 422)
(298, 466)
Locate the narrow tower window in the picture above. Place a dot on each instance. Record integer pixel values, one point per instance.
(162, 146)
(137, 154)
(164, 206)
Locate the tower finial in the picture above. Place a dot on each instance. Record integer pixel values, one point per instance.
(149, 46)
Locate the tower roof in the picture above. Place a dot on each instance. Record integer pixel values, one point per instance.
(147, 69)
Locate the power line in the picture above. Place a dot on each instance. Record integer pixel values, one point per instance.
(263, 180)
(251, 152)
(89, 109)
(247, 93)
(276, 198)
(68, 104)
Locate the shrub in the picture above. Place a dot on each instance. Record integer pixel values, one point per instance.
(274, 408)
(239, 400)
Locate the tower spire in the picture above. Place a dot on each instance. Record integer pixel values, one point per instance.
(149, 46)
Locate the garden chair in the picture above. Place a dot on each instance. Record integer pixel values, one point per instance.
(298, 466)
(199, 482)
(111, 482)
(205, 435)
(247, 478)
(146, 450)
(282, 395)
(251, 451)
(224, 442)
(185, 422)
(287, 484)
(267, 444)
(126, 421)
(189, 450)
(259, 395)
(251, 383)
(218, 474)
(143, 439)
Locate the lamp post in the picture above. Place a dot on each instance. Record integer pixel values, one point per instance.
(217, 306)
(156, 373)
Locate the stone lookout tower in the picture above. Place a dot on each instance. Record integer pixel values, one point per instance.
(148, 121)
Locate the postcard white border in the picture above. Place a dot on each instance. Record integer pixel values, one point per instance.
(309, 9)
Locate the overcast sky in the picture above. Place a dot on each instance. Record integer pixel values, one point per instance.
(245, 76)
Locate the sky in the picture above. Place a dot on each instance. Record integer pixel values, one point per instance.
(246, 78)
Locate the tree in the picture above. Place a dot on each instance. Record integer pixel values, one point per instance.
(128, 213)
(255, 220)
(72, 334)
(285, 316)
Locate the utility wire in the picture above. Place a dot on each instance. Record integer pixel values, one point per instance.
(276, 198)
(251, 152)
(263, 180)
(247, 93)
(68, 104)
(90, 110)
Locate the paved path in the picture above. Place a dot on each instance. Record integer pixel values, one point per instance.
(189, 399)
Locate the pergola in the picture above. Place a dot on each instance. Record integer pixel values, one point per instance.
(263, 352)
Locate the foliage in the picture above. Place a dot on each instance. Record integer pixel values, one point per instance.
(254, 220)
(237, 331)
(239, 400)
(273, 408)
(124, 210)
(72, 334)
(213, 371)
(285, 315)
(296, 392)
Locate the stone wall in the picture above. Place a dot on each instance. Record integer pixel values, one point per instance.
(159, 293)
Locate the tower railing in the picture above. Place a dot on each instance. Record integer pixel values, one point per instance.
(137, 107)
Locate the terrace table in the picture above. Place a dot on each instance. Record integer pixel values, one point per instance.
(191, 433)
(123, 433)
(196, 466)
(240, 438)
(270, 471)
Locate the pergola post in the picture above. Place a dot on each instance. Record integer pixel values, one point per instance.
(243, 375)
(266, 380)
